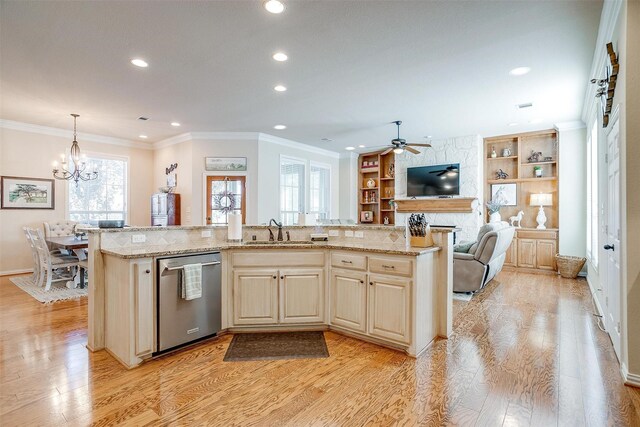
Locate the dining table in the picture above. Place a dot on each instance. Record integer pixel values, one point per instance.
(73, 244)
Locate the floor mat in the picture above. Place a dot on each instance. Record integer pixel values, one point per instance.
(274, 346)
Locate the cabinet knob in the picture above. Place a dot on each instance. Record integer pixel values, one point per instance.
(147, 271)
(275, 277)
(370, 283)
(282, 277)
(361, 281)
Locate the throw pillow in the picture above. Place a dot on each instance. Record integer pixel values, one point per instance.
(463, 247)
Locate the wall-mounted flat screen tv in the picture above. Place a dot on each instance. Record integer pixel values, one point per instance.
(438, 180)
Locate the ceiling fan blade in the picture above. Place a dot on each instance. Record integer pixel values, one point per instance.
(419, 145)
(387, 151)
(411, 150)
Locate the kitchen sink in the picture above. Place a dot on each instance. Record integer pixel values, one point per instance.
(275, 242)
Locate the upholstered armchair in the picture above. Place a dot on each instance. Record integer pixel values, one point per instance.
(475, 268)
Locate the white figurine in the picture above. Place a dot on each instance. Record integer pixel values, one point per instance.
(517, 218)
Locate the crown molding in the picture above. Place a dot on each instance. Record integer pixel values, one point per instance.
(65, 133)
(297, 145)
(178, 139)
(572, 125)
(608, 19)
(215, 136)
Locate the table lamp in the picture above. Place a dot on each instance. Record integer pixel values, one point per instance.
(541, 199)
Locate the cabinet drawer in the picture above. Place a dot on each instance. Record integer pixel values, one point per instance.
(349, 260)
(541, 234)
(271, 258)
(396, 266)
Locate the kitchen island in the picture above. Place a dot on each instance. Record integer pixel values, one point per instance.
(373, 288)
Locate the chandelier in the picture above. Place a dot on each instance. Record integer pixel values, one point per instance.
(77, 171)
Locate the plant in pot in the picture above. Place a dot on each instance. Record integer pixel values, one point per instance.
(537, 171)
(494, 205)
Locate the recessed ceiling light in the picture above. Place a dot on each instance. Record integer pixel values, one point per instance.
(139, 62)
(274, 6)
(349, 148)
(534, 121)
(175, 124)
(361, 146)
(279, 127)
(143, 136)
(280, 88)
(520, 71)
(280, 56)
(513, 124)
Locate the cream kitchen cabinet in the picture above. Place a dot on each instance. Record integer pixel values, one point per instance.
(302, 295)
(389, 307)
(255, 296)
(129, 297)
(349, 300)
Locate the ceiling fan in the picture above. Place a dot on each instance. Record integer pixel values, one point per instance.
(398, 145)
(449, 170)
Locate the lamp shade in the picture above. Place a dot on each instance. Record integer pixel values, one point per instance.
(541, 199)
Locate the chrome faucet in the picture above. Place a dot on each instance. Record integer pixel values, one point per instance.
(277, 224)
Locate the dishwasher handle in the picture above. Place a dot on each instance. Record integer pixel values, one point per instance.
(204, 264)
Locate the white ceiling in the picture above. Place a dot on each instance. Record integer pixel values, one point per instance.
(354, 66)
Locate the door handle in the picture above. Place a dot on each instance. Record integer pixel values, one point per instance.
(609, 247)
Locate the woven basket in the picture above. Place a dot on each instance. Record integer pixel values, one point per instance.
(570, 266)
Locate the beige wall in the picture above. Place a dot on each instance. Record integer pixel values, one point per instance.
(162, 159)
(630, 172)
(30, 154)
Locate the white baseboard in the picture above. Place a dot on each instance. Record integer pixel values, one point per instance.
(14, 272)
(629, 378)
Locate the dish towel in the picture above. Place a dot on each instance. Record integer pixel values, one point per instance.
(191, 281)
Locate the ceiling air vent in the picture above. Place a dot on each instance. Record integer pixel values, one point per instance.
(143, 118)
(525, 105)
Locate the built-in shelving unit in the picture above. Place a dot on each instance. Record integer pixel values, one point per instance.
(532, 249)
(375, 199)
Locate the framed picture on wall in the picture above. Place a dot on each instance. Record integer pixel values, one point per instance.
(27, 193)
(508, 192)
(225, 164)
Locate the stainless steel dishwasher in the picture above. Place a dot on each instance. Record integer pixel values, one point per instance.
(180, 321)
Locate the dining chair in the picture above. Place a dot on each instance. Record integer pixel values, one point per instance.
(34, 255)
(52, 267)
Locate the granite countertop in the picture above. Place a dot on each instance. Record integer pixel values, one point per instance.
(261, 226)
(164, 250)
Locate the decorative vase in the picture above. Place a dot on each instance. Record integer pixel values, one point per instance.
(371, 183)
(495, 217)
(538, 172)
(493, 152)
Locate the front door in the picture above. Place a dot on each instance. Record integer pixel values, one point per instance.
(225, 194)
(612, 236)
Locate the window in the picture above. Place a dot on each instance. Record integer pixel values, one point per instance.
(224, 193)
(292, 190)
(102, 198)
(592, 195)
(320, 190)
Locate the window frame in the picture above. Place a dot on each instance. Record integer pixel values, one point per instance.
(327, 167)
(105, 156)
(305, 193)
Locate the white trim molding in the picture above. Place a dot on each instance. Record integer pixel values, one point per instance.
(629, 378)
(573, 125)
(297, 145)
(15, 272)
(89, 137)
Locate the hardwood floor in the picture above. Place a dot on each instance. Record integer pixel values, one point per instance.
(525, 351)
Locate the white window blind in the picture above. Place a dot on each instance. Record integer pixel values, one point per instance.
(320, 190)
(102, 198)
(292, 186)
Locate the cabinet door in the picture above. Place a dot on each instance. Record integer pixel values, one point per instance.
(389, 308)
(143, 306)
(302, 295)
(255, 297)
(526, 253)
(511, 258)
(546, 254)
(349, 300)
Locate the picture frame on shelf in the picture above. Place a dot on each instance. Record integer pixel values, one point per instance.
(366, 216)
(27, 193)
(509, 193)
